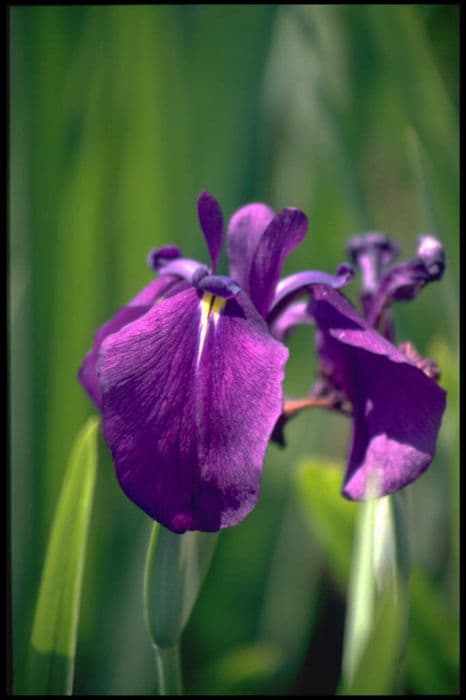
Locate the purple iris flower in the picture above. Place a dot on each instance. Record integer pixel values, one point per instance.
(391, 392)
(188, 376)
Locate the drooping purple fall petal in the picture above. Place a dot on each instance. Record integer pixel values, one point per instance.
(211, 221)
(191, 392)
(136, 308)
(397, 408)
(245, 229)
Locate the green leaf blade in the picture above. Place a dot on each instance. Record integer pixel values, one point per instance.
(176, 566)
(54, 632)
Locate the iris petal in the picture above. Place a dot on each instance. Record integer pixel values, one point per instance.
(405, 280)
(184, 268)
(371, 252)
(294, 285)
(158, 257)
(191, 393)
(211, 221)
(397, 409)
(136, 308)
(284, 233)
(297, 314)
(245, 228)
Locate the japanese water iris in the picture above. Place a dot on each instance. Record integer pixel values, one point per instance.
(390, 391)
(188, 376)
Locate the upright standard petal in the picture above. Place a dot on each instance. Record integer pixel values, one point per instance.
(397, 408)
(211, 221)
(245, 229)
(137, 307)
(191, 393)
(284, 233)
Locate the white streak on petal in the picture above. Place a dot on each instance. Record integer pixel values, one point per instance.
(205, 304)
(211, 307)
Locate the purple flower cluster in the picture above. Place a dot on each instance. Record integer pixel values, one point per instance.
(188, 376)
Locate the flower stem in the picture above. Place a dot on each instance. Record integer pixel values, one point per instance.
(377, 606)
(167, 660)
(332, 402)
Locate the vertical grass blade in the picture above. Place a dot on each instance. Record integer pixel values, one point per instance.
(54, 632)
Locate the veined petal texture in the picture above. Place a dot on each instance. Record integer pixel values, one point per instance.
(136, 308)
(191, 393)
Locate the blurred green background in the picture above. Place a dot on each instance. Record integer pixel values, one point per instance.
(119, 117)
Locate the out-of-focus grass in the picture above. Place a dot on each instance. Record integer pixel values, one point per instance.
(119, 117)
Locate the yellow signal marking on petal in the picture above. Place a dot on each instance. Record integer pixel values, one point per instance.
(206, 303)
(217, 307)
